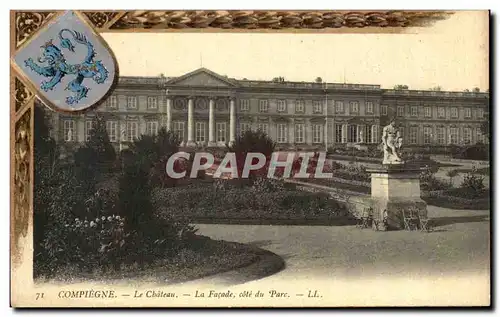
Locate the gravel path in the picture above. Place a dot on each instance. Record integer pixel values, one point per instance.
(448, 266)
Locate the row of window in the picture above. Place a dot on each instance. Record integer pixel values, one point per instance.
(440, 136)
(356, 134)
(370, 134)
(152, 103)
(343, 133)
(131, 130)
(441, 112)
(300, 106)
(112, 102)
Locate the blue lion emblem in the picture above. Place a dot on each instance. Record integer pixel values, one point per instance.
(58, 67)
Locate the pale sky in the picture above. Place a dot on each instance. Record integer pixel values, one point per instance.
(452, 54)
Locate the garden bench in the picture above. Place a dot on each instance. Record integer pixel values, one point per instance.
(385, 222)
(411, 219)
(366, 218)
(424, 224)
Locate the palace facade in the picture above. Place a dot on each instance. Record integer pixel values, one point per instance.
(207, 109)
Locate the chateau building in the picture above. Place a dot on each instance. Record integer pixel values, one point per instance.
(207, 109)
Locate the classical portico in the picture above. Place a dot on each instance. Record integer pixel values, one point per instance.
(209, 100)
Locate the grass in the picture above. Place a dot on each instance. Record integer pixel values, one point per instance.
(201, 258)
(451, 198)
(481, 171)
(377, 160)
(338, 185)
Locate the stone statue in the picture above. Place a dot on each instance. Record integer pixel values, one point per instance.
(391, 144)
(69, 136)
(361, 140)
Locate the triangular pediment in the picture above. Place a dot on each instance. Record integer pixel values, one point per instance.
(202, 77)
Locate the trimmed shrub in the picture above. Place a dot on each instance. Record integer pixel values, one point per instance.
(454, 198)
(473, 185)
(474, 152)
(428, 180)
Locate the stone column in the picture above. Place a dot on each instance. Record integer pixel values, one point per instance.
(375, 136)
(211, 123)
(344, 133)
(232, 121)
(190, 140)
(169, 113)
(325, 134)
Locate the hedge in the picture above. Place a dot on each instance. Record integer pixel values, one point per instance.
(442, 198)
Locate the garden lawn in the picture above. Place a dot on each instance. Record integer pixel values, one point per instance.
(201, 257)
(203, 201)
(450, 198)
(481, 171)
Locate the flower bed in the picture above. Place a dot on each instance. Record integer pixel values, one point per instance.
(357, 186)
(246, 203)
(359, 176)
(200, 257)
(342, 157)
(456, 198)
(451, 199)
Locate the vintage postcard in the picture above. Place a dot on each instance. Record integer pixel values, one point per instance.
(250, 159)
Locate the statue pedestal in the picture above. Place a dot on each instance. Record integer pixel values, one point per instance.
(395, 188)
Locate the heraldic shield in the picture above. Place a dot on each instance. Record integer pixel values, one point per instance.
(68, 64)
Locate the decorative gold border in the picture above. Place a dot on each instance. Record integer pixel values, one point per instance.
(274, 20)
(25, 24)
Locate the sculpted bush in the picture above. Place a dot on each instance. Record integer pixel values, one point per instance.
(473, 185)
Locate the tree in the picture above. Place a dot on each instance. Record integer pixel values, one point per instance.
(86, 169)
(168, 142)
(476, 89)
(154, 152)
(99, 142)
(43, 149)
(94, 158)
(485, 128)
(252, 142)
(319, 80)
(57, 197)
(146, 148)
(401, 87)
(134, 195)
(437, 88)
